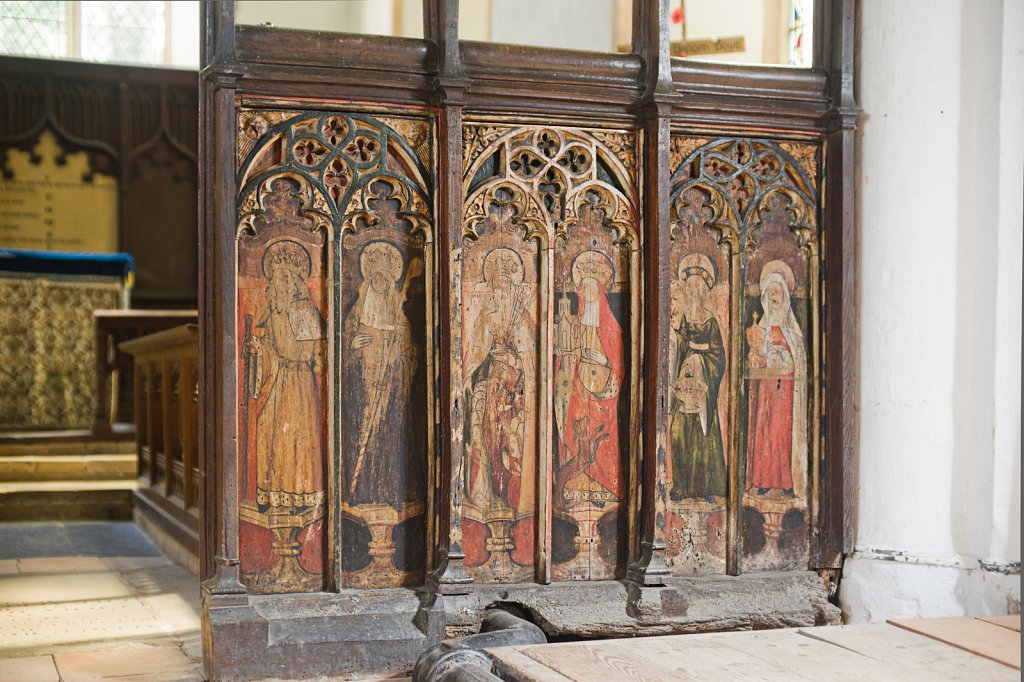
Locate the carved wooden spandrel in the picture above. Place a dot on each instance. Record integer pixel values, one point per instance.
(763, 207)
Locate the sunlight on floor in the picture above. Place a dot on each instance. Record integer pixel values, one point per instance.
(70, 611)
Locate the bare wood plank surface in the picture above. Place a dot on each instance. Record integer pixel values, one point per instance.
(580, 662)
(703, 657)
(512, 664)
(911, 653)
(778, 656)
(971, 634)
(877, 652)
(803, 658)
(1010, 622)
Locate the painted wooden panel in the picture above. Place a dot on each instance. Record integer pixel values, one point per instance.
(548, 358)
(356, 189)
(282, 341)
(700, 372)
(592, 391)
(502, 275)
(754, 203)
(383, 383)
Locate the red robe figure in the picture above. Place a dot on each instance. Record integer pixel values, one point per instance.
(589, 370)
(777, 361)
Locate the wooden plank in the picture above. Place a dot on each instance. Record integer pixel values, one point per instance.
(583, 662)
(877, 652)
(700, 657)
(777, 656)
(808, 659)
(911, 653)
(977, 636)
(512, 664)
(1010, 622)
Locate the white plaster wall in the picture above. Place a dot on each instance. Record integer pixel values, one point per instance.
(940, 200)
(184, 34)
(352, 16)
(712, 19)
(569, 24)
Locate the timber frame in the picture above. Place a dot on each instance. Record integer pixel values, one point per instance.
(450, 80)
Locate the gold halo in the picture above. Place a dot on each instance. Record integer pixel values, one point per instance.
(593, 259)
(297, 249)
(493, 253)
(783, 269)
(397, 255)
(697, 261)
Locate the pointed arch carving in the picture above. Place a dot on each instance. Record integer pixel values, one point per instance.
(351, 195)
(558, 206)
(746, 251)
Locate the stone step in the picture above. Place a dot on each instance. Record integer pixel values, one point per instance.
(119, 467)
(34, 444)
(66, 500)
(312, 636)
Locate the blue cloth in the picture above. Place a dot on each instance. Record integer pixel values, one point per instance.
(66, 262)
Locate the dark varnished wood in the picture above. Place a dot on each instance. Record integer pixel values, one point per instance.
(169, 474)
(650, 40)
(840, 317)
(113, 327)
(450, 83)
(138, 125)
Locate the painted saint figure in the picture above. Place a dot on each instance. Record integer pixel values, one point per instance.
(288, 441)
(501, 376)
(698, 460)
(589, 370)
(777, 360)
(380, 365)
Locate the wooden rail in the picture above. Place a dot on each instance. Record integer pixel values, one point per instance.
(166, 397)
(114, 383)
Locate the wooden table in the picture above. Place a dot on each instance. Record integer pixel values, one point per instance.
(929, 649)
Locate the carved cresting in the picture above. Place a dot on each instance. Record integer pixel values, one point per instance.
(549, 300)
(745, 352)
(335, 417)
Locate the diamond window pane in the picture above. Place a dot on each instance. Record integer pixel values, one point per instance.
(124, 31)
(34, 29)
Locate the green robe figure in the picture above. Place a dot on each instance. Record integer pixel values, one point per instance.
(698, 460)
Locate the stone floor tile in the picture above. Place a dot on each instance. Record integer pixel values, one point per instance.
(176, 611)
(109, 539)
(134, 563)
(62, 564)
(23, 540)
(161, 580)
(176, 676)
(28, 669)
(46, 628)
(127, 662)
(192, 646)
(8, 566)
(57, 588)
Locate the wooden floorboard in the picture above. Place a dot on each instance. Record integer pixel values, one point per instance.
(912, 655)
(970, 634)
(1009, 622)
(856, 652)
